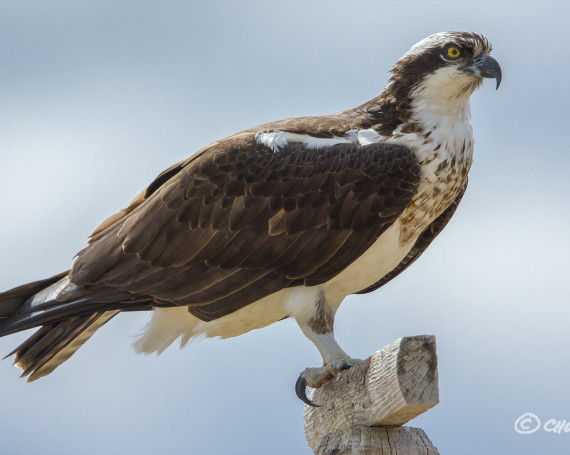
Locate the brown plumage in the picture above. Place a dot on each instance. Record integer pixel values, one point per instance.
(250, 217)
(241, 220)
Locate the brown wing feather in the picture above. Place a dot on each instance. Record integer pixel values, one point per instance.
(240, 222)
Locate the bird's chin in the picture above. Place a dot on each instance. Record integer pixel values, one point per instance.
(471, 75)
(467, 85)
(474, 82)
(471, 71)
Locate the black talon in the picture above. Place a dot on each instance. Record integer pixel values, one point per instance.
(301, 391)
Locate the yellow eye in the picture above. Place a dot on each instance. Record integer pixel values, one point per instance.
(453, 52)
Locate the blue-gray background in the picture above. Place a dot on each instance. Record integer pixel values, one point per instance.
(96, 98)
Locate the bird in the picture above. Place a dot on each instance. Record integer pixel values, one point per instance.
(283, 220)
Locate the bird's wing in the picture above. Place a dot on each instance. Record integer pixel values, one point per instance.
(423, 241)
(239, 222)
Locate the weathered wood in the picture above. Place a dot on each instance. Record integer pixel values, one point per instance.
(390, 388)
(377, 441)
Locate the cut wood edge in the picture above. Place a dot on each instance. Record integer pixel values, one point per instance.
(395, 385)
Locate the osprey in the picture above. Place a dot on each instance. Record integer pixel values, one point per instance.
(282, 220)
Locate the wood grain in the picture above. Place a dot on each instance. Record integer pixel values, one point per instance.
(390, 388)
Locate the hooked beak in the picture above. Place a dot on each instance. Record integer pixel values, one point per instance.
(485, 66)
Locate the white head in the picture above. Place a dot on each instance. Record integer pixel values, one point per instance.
(441, 71)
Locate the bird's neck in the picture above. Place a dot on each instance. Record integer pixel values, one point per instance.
(427, 107)
(387, 111)
(432, 122)
(441, 115)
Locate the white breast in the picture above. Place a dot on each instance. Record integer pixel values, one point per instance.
(380, 259)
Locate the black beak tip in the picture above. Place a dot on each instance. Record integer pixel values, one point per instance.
(498, 79)
(490, 68)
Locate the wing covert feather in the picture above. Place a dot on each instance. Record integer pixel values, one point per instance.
(240, 222)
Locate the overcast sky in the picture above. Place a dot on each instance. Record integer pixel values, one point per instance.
(96, 98)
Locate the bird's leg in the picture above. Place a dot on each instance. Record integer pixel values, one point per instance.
(319, 329)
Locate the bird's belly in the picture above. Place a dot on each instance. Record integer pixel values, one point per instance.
(381, 258)
(169, 324)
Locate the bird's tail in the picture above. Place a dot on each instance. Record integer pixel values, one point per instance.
(53, 344)
(64, 325)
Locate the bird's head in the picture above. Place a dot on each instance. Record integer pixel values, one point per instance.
(443, 70)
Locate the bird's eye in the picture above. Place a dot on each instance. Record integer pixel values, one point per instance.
(453, 52)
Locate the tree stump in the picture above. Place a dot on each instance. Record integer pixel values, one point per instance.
(362, 410)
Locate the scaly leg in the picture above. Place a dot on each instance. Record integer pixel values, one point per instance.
(320, 331)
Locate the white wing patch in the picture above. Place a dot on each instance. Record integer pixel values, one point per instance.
(369, 136)
(278, 139)
(275, 139)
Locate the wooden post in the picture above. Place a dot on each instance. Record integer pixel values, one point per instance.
(362, 409)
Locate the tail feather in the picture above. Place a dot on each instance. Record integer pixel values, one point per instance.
(67, 315)
(12, 300)
(53, 344)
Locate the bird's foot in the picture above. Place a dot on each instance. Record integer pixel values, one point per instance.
(316, 377)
